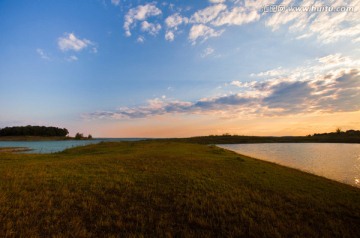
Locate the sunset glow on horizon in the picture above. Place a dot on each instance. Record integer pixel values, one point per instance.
(116, 68)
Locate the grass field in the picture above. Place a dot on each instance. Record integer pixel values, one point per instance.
(166, 189)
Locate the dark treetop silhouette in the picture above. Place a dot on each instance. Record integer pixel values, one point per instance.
(33, 131)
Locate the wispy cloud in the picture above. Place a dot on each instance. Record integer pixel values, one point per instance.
(217, 1)
(237, 16)
(151, 28)
(203, 32)
(42, 54)
(70, 42)
(139, 13)
(208, 51)
(140, 39)
(115, 2)
(175, 20)
(169, 36)
(172, 23)
(72, 58)
(270, 73)
(207, 14)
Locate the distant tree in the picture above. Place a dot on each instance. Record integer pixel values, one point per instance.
(352, 132)
(338, 130)
(89, 136)
(79, 136)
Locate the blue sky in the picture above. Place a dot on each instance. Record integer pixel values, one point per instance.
(180, 68)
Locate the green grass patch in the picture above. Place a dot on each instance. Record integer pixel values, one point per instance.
(166, 189)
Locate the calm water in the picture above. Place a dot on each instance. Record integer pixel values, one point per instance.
(56, 146)
(340, 162)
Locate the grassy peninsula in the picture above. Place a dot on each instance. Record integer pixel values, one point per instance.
(165, 189)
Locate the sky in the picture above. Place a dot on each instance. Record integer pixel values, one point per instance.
(179, 68)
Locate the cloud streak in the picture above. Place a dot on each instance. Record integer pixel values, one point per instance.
(42, 54)
(69, 42)
(208, 14)
(202, 32)
(207, 52)
(115, 2)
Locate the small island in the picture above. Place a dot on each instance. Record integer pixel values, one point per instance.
(38, 133)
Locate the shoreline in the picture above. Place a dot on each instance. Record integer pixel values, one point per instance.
(14, 149)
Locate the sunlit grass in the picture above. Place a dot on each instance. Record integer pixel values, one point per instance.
(168, 189)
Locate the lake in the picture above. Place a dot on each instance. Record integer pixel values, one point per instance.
(340, 162)
(57, 146)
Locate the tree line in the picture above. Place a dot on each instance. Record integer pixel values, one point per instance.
(339, 132)
(33, 131)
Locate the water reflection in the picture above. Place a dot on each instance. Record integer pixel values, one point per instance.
(339, 162)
